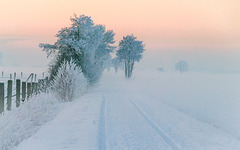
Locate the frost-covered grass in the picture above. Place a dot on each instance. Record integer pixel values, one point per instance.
(21, 123)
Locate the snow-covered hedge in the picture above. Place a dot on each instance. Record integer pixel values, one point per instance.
(69, 82)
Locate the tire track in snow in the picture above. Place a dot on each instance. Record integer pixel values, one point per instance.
(102, 136)
(156, 128)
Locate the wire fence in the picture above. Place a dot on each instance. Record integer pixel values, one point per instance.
(17, 89)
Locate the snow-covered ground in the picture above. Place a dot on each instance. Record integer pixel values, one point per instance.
(152, 111)
(23, 122)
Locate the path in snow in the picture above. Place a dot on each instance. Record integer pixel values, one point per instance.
(144, 123)
(157, 129)
(127, 129)
(102, 130)
(115, 119)
(185, 130)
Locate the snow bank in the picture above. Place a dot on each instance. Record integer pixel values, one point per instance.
(23, 122)
(74, 128)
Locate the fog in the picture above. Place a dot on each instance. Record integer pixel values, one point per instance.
(199, 60)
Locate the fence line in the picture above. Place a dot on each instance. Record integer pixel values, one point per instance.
(20, 75)
(23, 91)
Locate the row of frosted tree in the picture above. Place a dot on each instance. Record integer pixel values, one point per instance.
(84, 50)
(90, 47)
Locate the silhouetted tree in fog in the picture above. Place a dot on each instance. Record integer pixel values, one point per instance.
(130, 50)
(182, 66)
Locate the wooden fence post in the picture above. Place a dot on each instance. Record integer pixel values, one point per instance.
(40, 85)
(34, 87)
(23, 91)
(35, 77)
(9, 95)
(1, 98)
(29, 90)
(18, 86)
(15, 75)
(32, 77)
(46, 83)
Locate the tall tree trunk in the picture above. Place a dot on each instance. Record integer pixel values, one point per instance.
(126, 69)
(131, 68)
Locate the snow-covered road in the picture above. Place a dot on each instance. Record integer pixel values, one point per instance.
(120, 120)
(119, 116)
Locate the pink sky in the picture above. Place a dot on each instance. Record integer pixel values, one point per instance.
(206, 33)
(160, 23)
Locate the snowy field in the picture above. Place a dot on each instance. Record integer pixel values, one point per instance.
(152, 111)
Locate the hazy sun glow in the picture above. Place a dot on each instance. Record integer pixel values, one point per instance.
(194, 30)
(158, 22)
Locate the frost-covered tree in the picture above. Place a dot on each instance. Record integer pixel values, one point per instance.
(68, 82)
(130, 50)
(88, 44)
(182, 66)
